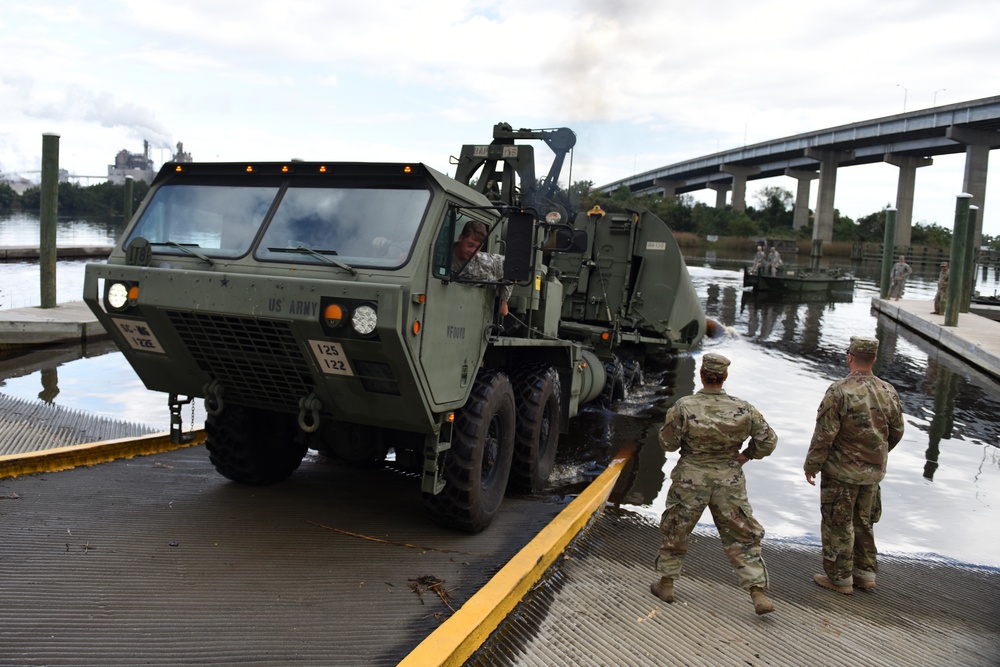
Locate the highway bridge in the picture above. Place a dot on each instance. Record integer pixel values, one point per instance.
(907, 140)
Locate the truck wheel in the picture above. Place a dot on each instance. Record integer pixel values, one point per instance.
(614, 388)
(633, 373)
(253, 446)
(477, 466)
(353, 444)
(538, 397)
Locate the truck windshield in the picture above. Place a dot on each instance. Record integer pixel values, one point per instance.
(371, 227)
(218, 220)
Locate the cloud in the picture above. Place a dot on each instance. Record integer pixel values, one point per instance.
(101, 107)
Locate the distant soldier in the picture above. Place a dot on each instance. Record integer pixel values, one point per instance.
(942, 290)
(858, 423)
(774, 262)
(709, 429)
(897, 279)
(759, 261)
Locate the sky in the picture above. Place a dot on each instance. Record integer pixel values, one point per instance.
(643, 83)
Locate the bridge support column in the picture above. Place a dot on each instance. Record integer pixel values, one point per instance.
(720, 193)
(977, 157)
(904, 192)
(669, 187)
(800, 218)
(739, 183)
(828, 163)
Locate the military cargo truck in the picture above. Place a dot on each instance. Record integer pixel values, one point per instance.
(320, 305)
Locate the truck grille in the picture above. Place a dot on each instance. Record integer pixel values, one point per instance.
(257, 361)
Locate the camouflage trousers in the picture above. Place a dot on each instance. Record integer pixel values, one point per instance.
(740, 532)
(849, 513)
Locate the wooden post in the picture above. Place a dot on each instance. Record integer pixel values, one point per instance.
(959, 238)
(970, 261)
(888, 246)
(129, 188)
(48, 210)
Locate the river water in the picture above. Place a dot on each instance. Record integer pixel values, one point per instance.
(942, 492)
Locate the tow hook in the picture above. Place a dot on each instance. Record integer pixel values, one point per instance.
(213, 398)
(309, 404)
(177, 434)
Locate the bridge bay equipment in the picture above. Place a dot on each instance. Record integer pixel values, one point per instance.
(316, 305)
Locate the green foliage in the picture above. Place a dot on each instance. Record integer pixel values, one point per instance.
(931, 234)
(7, 197)
(774, 211)
(870, 227)
(99, 200)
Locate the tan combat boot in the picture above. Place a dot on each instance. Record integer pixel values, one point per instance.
(663, 589)
(866, 584)
(761, 604)
(824, 581)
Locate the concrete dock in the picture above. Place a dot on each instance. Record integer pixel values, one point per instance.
(31, 253)
(71, 322)
(976, 339)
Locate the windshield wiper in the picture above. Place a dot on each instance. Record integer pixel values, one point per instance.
(322, 254)
(186, 247)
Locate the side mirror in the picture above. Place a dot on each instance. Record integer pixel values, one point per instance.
(519, 249)
(570, 240)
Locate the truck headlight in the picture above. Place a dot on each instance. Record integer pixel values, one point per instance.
(121, 295)
(364, 320)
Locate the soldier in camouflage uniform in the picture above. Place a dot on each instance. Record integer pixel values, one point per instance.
(476, 265)
(858, 423)
(897, 278)
(709, 428)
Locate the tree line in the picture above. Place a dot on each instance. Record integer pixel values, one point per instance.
(94, 201)
(769, 216)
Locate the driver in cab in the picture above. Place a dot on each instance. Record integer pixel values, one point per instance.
(467, 259)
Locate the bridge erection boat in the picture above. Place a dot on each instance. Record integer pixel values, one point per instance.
(794, 280)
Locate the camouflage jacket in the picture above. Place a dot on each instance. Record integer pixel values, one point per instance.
(484, 266)
(709, 429)
(858, 422)
(901, 271)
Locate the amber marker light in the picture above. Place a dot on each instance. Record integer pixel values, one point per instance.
(333, 314)
(284, 169)
(416, 327)
(407, 169)
(178, 168)
(322, 169)
(133, 293)
(451, 416)
(605, 335)
(249, 168)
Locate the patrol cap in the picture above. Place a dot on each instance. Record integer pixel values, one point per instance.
(714, 363)
(860, 345)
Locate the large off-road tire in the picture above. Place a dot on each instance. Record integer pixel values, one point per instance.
(477, 466)
(614, 387)
(253, 446)
(633, 374)
(538, 397)
(354, 444)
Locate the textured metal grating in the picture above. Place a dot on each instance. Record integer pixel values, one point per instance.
(258, 362)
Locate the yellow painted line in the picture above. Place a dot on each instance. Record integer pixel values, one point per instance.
(88, 454)
(461, 635)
